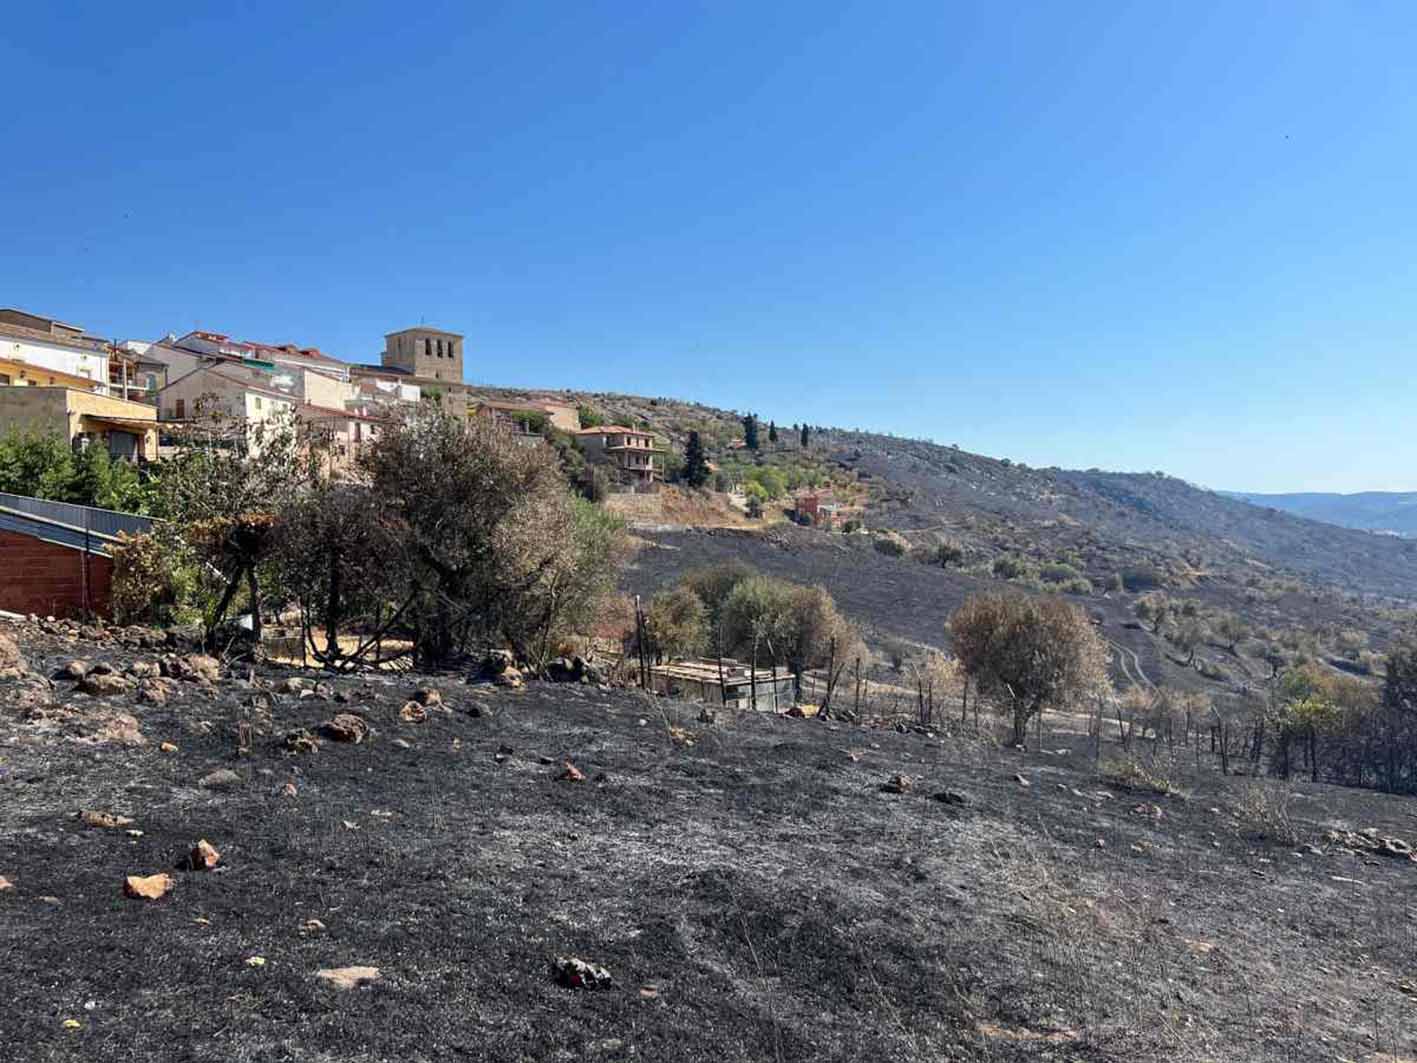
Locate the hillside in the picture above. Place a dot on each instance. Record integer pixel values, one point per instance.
(758, 887)
(1393, 512)
(1111, 522)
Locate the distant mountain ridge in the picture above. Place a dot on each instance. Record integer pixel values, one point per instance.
(1394, 512)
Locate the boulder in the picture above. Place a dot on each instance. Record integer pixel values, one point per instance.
(511, 679)
(898, 784)
(147, 887)
(144, 669)
(428, 697)
(951, 797)
(194, 667)
(565, 669)
(101, 668)
(294, 685)
(103, 684)
(496, 662)
(413, 712)
(345, 727)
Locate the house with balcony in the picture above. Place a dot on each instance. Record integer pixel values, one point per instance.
(633, 456)
(32, 347)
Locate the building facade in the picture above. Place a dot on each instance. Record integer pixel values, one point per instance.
(83, 418)
(632, 455)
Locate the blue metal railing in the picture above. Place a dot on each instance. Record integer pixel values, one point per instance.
(105, 522)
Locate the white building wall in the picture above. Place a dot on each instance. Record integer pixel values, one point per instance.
(90, 364)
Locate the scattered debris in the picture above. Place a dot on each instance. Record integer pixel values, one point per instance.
(951, 797)
(570, 773)
(1018, 778)
(167, 747)
(301, 741)
(103, 684)
(1369, 840)
(898, 784)
(413, 712)
(312, 926)
(5, 884)
(574, 973)
(428, 697)
(147, 887)
(255, 961)
(349, 977)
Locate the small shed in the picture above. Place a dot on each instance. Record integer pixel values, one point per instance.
(734, 688)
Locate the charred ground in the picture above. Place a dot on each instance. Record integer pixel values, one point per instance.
(752, 890)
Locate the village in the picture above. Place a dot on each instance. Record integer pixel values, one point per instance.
(134, 399)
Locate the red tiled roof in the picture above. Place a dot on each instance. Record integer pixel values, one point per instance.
(611, 430)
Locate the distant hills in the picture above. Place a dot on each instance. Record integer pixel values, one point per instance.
(1394, 512)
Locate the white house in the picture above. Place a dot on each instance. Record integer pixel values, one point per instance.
(41, 343)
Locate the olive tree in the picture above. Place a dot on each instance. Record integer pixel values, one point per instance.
(1030, 653)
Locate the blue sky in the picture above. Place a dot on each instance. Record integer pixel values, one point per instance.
(1134, 236)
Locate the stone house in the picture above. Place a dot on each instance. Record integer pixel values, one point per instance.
(83, 417)
(632, 454)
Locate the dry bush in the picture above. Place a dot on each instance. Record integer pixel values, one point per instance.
(1128, 773)
(1263, 807)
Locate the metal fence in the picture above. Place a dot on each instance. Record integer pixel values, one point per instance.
(104, 522)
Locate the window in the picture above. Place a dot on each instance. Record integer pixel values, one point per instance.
(258, 401)
(428, 347)
(181, 410)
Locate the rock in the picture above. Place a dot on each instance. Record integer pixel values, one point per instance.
(402, 743)
(1021, 780)
(101, 668)
(221, 779)
(345, 727)
(145, 670)
(167, 747)
(312, 926)
(104, 820)
(510, 679)
(564, 670)
(413, 712)
(575, 973)
(203, 856)
(428, 697)
(5, 884)
(477, 711)
(301, 741)
(898, 784)
(195, 667)
(951, 797)
(74, 670)
(154, 691)
(349, 977)
(570, 773)
(289, 790)
(706, 715)
(103, 684)
(498, 661)
(255, 961)
(293, 685)
(147, 887)
(10, 655)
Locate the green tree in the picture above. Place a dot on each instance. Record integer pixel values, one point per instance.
(806, 436)
(750, 431)
(696, 470)
(772, 431)
(676, 624)
(1029, 653)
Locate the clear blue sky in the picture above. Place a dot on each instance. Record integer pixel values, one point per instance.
(1136, 236)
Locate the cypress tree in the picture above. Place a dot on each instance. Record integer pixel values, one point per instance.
(750, 431)
(806, 437)
(696, 470)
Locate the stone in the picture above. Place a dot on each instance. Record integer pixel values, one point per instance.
(194, 667)
(5, 884)
(312, 926)
(293, 685)
(104, 820)
(413, 712)
(74, 670)
(145, 670)
(167, 747)
(428, 697)
(1021, 780)
(346, 727)
(147, 887)
(402, 743)
(706, 715)
(203, 856)
(346, 978)
(301, 741)
(564, 670)
(511, 679)
(289, 790)
(498, 661)
(10, 655)
(103, 684)
(575, 973)
(898, 784)
(102, 668)
(951, 797)
(154, 691)
(221, 779)
(570, 773)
